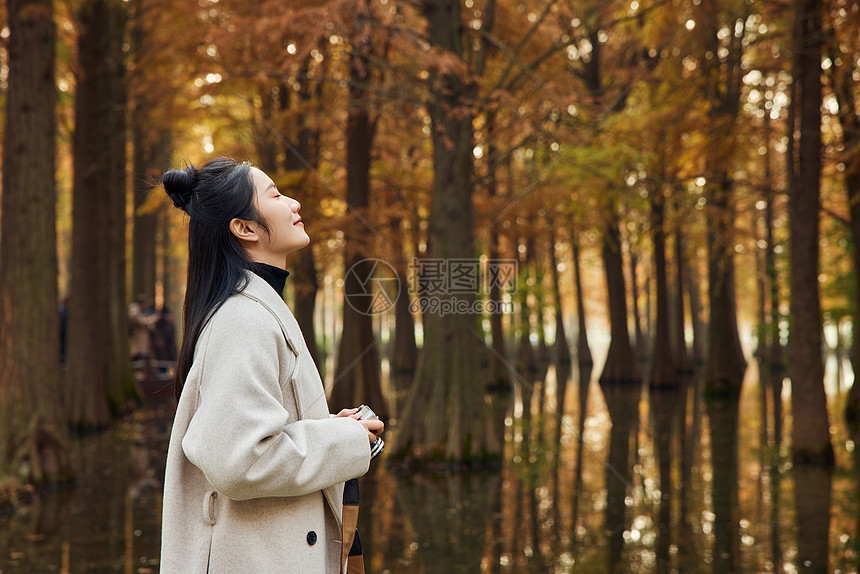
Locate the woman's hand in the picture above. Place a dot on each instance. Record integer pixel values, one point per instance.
(373, 427)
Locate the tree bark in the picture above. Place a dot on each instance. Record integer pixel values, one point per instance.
(680, 331)
(844, 87)
(98, 360)
(358, 370)
(527, 360)
(696, 321)
(663, 369)
(306, 149)
(725, 360)
(721, 88)
(641, 342)
(404, 355)
(775, 363)
(122, 388)
(33, 439)
(561, 357)
(583, 351)
(499, 383)
(151, 142)
(446, 413)
(620, 363)
(810, 440)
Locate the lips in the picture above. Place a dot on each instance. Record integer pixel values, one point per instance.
(299, 222)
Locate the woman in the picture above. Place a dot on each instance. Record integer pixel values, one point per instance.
(256, 465)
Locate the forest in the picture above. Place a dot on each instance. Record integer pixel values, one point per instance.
(507, 200)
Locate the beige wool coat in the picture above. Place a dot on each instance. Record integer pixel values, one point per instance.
(256, 465)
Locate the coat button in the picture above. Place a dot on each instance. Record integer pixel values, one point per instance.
(312, 537)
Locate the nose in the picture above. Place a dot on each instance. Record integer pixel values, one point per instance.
(297, 205)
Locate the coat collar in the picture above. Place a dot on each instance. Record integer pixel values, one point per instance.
(260, 291)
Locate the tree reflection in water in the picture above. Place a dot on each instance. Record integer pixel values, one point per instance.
(693, 494)
(622, 401)
(722, 408)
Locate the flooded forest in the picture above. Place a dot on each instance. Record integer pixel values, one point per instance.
(594, 263)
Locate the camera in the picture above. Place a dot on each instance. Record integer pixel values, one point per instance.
(366, 413)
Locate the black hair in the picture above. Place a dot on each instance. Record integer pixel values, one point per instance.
(212, 196)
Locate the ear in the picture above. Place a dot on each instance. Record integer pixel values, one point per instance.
(244, 230)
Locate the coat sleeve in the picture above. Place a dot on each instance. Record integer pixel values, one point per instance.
(240, 435)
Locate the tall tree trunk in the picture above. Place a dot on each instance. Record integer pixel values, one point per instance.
(663, 370)
(306, 149)
(680, 348)
(641, 342)
(121, 383)
(95, 360)
(358, 371)
(561, 351)
(761, 352)
(499, 383)
(725, 362)
(544, 355)
(696, 321)
(620, 363)
(527, 361)
(810, 440)
(33, 442)
(775, 365)
(721, 81)
(844, 88)
(583, 351)
(151, 143)
(404, 355)
(447, 381)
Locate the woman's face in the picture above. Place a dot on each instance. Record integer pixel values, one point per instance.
(286, 230)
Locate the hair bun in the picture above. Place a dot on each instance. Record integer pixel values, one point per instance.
(179, 185)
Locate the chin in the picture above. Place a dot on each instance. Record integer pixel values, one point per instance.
(301, 243)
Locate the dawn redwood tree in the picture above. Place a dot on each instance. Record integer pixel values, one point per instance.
(591, 68)
(721, 88)
(98, 374)
(32, 426)
(811, 439)
(358, 369)
(620, 365)
(446, 414)
(663, 365)
(583, 351)
(151, 140)
(844, 53)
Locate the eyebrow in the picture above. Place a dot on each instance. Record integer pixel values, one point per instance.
(271, 185)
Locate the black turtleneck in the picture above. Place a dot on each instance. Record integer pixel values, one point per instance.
(274, 276)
